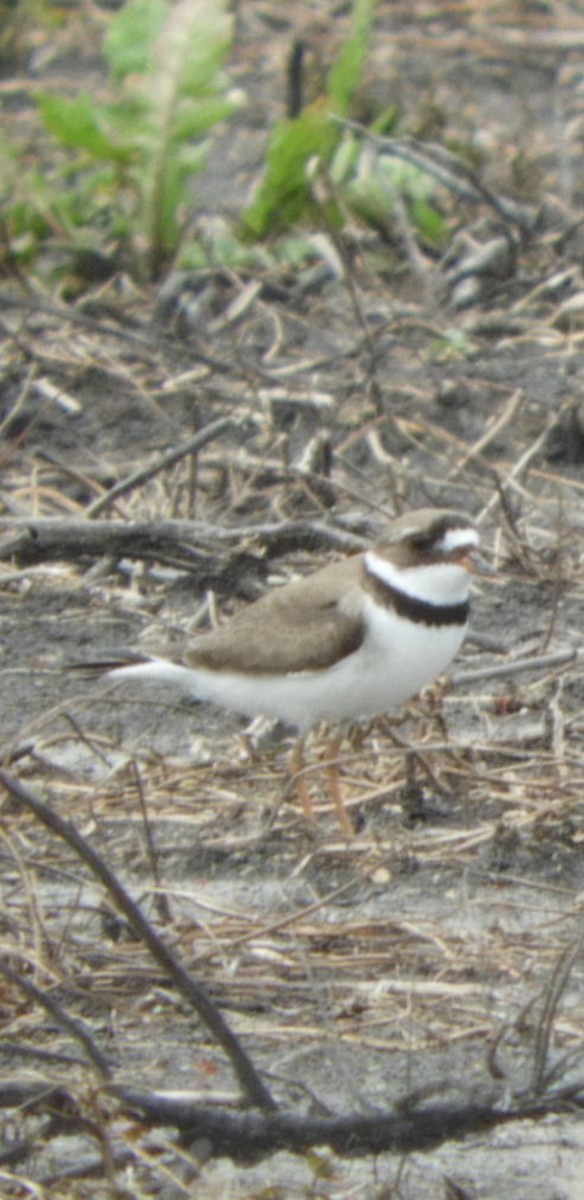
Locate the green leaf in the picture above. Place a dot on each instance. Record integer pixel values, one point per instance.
(346, 73)
(129, 42)
(345, 159)
(186, 55)
(193, 118)
(190, 48)
(284, 194)
(75, 123)
(428, 220)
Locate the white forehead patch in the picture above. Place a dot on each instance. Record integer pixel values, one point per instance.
(455, 539)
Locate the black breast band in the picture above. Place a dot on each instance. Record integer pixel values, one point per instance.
(420, 611)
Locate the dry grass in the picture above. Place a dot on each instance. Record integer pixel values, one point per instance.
(437, 953)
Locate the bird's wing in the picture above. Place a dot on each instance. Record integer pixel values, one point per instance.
(314, 622)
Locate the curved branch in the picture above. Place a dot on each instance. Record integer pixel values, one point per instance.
(255, 1090)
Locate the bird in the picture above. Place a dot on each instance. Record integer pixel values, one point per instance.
(351, 640)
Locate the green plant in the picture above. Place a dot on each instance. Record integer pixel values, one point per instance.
(312, 141)
(375, 184)
(285, 194)
(128, 164)
(27, 217)
(120, 191)
(452, 346)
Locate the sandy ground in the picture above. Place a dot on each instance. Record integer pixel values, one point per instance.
(437, 952)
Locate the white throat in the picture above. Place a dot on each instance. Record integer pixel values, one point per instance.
(437, 583)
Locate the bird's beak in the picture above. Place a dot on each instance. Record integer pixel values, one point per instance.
(474, 561)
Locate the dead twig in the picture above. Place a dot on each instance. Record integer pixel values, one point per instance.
(75, 1029)
(493, 431)
(191, 446)
(188, 544)
(148, 342)
(248, 1137)
(447, 168)
(160, 897)
(539, 662)
(255, 1090)
(551, 999)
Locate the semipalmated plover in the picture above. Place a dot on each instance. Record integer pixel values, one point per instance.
(354, 639)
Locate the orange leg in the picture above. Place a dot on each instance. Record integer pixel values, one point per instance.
(298, 778)
(333, 776)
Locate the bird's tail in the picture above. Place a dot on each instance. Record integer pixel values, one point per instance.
(137, 668)
(96, 667)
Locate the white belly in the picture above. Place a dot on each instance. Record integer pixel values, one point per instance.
(395, 660)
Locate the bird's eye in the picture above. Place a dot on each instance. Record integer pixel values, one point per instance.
(423, 542)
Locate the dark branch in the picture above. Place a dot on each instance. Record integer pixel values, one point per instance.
(255, 1091)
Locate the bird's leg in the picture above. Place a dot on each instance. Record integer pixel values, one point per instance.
(298, 778)
(255, 735)
(331, 759)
